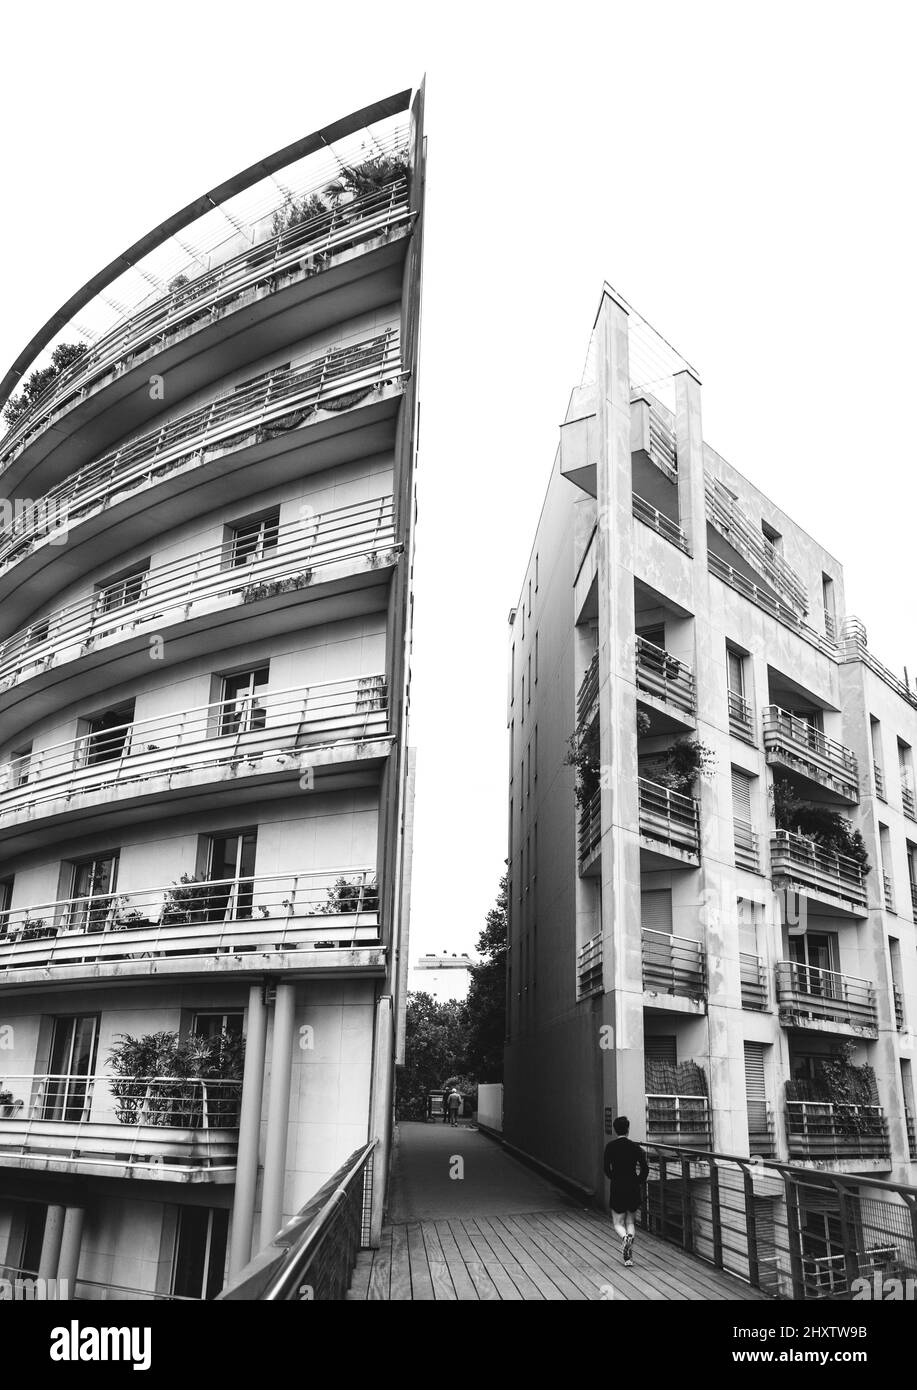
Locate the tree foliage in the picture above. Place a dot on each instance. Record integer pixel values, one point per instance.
(485, 1006)
(435, 1043)
(821, 824)
(63, 356)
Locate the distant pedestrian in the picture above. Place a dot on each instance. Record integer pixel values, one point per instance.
(446, 1106)
(454, 1105)
(625, 1164)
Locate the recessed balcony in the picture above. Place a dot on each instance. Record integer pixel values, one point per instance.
(804, 867)
(173, 1129)
(793, 743)
(669, 824)
(342, 263)
(321, 921)
(589, 838)
(753, 982)
(683, 1121)
(652, 435)
(587, 698)
(727, 518)
(142, 766)
(589, 972)
(825, 1001)
(668, 683)
(660, 523)
(673, 966)
(825, 1133)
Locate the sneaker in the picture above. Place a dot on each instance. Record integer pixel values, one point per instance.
(628, 1250)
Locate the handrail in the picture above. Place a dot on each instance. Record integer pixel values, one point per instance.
(77, 1098)
(781, 611)
(659, 673)
(658, 521)
(780, 723)
(804, 852)
(729, 519)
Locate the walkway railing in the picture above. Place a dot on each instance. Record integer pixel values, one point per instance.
(792, 1232)
(302, 249)
(312, 1258)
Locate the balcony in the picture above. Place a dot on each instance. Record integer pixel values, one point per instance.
(590, 831)
(745, 846)
(296, 255)
(799, 864)
(275, 407)
(679, 1120)
(674, 965)
(793, 743)
(761, 1139)
(824, 1001)
(589, 972)
(301, 922)
(741, 717)
(899, 1008)
(728, 519)
(824, 1132)
(304, 559)
(660, 523)
(665, 678)
(775, 607)
(669, 819)
(753, 982)
(588, 696)
(169, 1128)
(651, 434)
(230, 742)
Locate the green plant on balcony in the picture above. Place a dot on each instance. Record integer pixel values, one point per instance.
(644, 723)
(350, 895)
(63, 356)
(840, 1082)
(186, 901)
(294, 211)
(253, 592)
(584, 754)
(34, 929)
(155, 1078)
(6, 1104)
(370, 175)
(820, 824)
(679, 766)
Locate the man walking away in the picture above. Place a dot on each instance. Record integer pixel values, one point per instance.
(625, 1164)
(446, 1106)
(455, 1104)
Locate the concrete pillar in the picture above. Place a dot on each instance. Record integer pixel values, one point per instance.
(69, 1261)
(50, 1246)
(278, 1114)
(381, 1110)
(243, 1210)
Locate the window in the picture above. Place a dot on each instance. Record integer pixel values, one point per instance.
(529, 668)
(121, 590)
(878, 766)
(32, 1239)
(6, 900)
(772, 537)
(20, 765)
(815, 955)
(827, 590)
(215, 1024)
(241, 710)
(744, 837)
(536, 657)
(92, 887)
(759, 1138)
(906, 773)
(536, 571)
(250, 541)
(740, 712)
(199, 1259)
(231, 866)
(67, 1092)
(912, 875)
(885, 857)
(106, 737)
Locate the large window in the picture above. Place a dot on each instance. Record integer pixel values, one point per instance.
(241, 710)
(200, 1252)
(123, 589)
(250, 541)
(67, 1091)
(92, 889)
(231, 864)
(106, 736)
(6, 898)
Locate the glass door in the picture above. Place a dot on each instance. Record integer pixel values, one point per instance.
(232, 867)
(68, 1090)
(92, 890)
(242, 710)
(200, 1252)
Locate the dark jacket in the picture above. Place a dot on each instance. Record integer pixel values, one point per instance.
(625, 1164)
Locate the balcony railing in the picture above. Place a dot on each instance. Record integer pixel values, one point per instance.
(826, 1131)
(662, 444)
(908, 802)
(914, 899)
(669, 817)
(911, 1135)
(590, 827)
(589, 975)
(667, 528)
(745, 843)
(674, 965)
(761, 1139)
(662, 675)
(261, 914)
(303, 249)
(753, 982)
(280, 401)
(879, 779)
(678, 1120)
(741, 717)
(887, 892)
(732, 523)
(806, 993)
(794, 742)
(214, 578)
(588, 693)
(765, 601)
(805, 864)
(251, 733)
(899, 1007)
(103, 1120)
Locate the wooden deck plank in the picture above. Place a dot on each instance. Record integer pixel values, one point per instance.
(486, 1288)
(604, 1265)
(501, 1276)
(421, 1279)
(400, 1289)
(380, 1279)
(362, 1273)
(556, 1268)
(462, 1281)
(443, 1287)
(528, 1289)
(531, 1262)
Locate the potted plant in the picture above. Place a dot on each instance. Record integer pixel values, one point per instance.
(34, 929)
(350, 896)
(8, 1105)
(156, 1079)
(188, 900)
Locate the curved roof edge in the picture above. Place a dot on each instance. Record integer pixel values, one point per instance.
(367, 115)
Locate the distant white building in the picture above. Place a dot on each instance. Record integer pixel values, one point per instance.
(445, 976)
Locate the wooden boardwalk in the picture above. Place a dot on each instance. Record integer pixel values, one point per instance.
(535, 1255)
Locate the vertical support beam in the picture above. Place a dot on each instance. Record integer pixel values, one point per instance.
(845, 1202)
(716, 1215)
(243, 1209)
(50, 1245)
(663, 1174)
(380, 1118)
(793, 1234)
(278, 1114)
(751, 1229)
(69, 1261)
(687, 1228)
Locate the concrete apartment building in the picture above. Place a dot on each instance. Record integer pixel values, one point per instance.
(206, 795)
(687, 955)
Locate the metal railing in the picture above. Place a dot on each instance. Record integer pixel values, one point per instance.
(806, 993)
(732, 523)
(762, 1140)
(678, 1119)
(28, 1286)
(217, 576)
(911, 1135)
(263, 913)
(669, 817)
(853, 648)
(299, 251)
(879, 779)
(745, 845)
(667, 528)
(823, 1130)
(790, 1231)
(741, 718)
(803, 863)
(673, 965)
(312, 1258)
(662, 675)
(887, 892)
(914, 899)
(752, 982)
(793, 741)
(251, 732)
(590, 827)
(908, 801)
(899, 1007)
(280, 400)
(589, 972)
(588, 693)
(774, 607)
(662, 448)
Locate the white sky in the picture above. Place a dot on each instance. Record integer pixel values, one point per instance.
(743, 175)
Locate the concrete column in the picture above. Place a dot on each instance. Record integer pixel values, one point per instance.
(50, 1246)
(69, 1261)
(380, 1118)
(243, 1210)
(278, 1114)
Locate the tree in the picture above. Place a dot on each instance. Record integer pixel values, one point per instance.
(485, 1006)
(63, 356)
(434, 1051)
